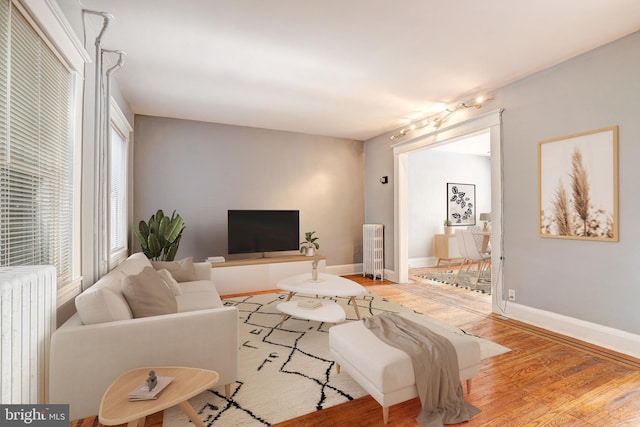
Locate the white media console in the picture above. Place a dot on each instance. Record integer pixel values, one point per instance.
(260, 274)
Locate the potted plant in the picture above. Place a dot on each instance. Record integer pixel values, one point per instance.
(447, 226)
(310, 244)
(160, 237)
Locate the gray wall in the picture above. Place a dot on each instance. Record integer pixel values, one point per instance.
(586, 280)
(428, 175)
(203, 169)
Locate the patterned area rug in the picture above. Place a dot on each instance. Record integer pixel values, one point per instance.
(286, 372)
(466, 279)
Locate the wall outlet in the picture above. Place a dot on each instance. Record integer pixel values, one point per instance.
(512, 294)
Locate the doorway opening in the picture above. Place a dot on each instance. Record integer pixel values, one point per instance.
(486, 123)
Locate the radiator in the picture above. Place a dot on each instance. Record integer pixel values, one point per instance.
(373, 250)
(27, 320)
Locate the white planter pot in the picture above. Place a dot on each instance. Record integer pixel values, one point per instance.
(310, 251)
(448, 230)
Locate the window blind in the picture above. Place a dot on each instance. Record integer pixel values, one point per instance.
(118, 192)
(35, 139)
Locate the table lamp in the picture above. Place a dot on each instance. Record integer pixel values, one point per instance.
(486, 217)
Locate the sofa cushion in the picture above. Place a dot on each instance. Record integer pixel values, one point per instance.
(198, 295)
(134, 264)
(148, 295)
(182, 271)
(170, 281)
(103, 302)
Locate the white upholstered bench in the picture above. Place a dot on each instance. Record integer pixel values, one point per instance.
(386, 372)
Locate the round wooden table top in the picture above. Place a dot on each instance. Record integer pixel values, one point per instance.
(115, 407)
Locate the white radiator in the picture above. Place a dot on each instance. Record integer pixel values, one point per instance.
(373, 250)
(27, 320)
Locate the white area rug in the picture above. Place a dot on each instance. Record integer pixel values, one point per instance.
(286, 372)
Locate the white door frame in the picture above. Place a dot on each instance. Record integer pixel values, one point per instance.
(490, 121)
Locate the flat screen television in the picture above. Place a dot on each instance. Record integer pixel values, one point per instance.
(252, 231)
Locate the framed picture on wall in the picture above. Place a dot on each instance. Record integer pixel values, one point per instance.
(578, 186)
(461, 203)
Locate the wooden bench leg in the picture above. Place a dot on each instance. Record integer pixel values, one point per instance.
(337, 368)
(385, 414)
(227, 390)
(469, 386)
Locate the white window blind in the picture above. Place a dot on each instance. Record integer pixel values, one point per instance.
(36, 158)
(118, 192)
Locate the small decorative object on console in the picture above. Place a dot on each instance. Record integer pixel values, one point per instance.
(447, 226)
(310, 244)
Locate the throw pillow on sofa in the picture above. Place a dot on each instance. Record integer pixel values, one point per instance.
(182, 271)
(147, 294)
(170, 281)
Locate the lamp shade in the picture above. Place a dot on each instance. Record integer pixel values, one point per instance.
(485, 216)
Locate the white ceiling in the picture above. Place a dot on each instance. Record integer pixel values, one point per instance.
(344, 68)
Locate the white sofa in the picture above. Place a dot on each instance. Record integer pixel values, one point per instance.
(104, 339)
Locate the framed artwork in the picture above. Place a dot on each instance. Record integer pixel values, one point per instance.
(578, 186)
(461, 203)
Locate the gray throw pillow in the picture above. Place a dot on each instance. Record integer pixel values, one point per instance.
(170, 281)
(182, 271)
(148, 295)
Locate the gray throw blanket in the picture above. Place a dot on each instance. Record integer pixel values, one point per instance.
(435, 364)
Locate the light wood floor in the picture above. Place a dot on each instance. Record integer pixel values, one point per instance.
(546, 380)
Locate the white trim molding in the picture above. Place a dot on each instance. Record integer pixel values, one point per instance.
(58, 31)
(603, 336)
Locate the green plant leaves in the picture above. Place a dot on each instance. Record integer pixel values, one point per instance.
(309, 241)
(160, 237)
(174, 229)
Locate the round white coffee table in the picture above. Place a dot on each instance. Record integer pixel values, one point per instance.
(325, 285)
(329, 311)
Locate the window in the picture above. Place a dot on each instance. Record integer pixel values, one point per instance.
(118, 186)
(36, 167)
(38, 141)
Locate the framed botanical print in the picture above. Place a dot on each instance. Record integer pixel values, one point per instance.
(578, 186)
(461, 203)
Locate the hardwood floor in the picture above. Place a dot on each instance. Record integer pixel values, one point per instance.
(545, 380)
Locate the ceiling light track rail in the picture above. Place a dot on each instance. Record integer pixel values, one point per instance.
(438, 119)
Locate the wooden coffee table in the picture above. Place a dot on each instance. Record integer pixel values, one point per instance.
(326, 285)
(115, 407)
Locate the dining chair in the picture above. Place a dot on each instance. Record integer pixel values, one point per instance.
(471, 254)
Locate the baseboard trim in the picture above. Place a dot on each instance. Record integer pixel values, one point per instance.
(345, 269)
(603, 336)
(422, 262)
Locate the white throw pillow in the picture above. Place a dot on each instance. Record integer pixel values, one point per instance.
(170, 281)
(102, 305)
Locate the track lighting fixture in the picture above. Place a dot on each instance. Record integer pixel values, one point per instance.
(438, 119)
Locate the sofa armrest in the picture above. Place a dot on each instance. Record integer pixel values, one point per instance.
(203, 270)
(86, 359)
